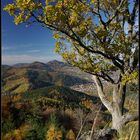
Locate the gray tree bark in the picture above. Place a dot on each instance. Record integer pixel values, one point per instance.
(116, 106)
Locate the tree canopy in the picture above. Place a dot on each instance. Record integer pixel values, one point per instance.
(98, 36)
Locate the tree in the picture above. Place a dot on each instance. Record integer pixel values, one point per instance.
(98, 36)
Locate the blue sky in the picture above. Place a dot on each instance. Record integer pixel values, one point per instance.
(21, 44)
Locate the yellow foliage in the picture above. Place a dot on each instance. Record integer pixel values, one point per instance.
(53, 134)
(87, 103)
(65, 56)
(19, 19)
(70, 135)
(130, 77)
(130, 131)
(8, 136)
(58, 135)
(82, 51)
(73, 18)
(50, 133)
(93, 1)
(17, 134)
(16, 98)
(19, 8)
(22, 88)
(56, 36)
(10, 8)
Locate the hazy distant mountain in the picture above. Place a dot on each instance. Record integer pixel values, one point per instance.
(20, 64)
(34, 65)
(22, 77)
(57, 64)
(39, 65)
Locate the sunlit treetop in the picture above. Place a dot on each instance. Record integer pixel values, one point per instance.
(98, 36)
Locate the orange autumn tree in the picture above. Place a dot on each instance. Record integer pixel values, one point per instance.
(98, 36)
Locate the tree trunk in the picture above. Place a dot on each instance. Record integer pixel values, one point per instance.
(117, 123)
(116, 106)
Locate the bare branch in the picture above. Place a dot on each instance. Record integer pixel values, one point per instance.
(94, 122)
(78, 40)
(133, 15)
(82, 125)
(108, 77)
(116, 12)
(130, 117)
(100, 17)
(101, 94)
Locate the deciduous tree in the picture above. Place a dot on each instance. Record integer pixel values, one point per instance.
(98, 36)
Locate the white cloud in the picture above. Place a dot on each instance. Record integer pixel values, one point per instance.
(5, 48)
(17, 47)
(13, 59)
(33, 51)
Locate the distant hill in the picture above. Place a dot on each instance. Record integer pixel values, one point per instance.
(39, 65)
(20, 64)
(34, 65)
(68, 70)
(23, 77)
(57, 64)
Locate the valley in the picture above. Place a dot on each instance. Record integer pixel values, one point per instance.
(53, 95)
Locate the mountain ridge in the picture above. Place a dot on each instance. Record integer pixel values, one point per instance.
(23, 77)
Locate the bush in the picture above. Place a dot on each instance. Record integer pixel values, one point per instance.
(54, 130)
(7, 125)
(70, 135)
